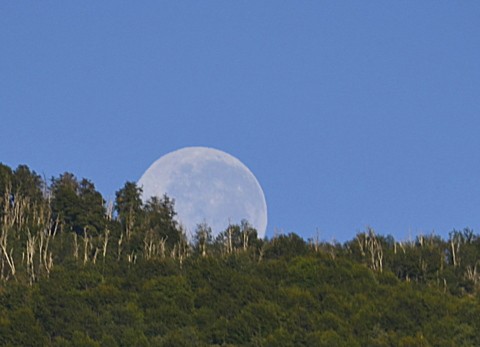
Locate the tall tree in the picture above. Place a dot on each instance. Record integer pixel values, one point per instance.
(128, 204)
(78, 205)
(6, 177)
(159, 217)
(65, 202)
(93, 211)
(27, 183)
(203, 238)
(249, 234)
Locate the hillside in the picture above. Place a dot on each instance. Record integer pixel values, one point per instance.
(78, 271)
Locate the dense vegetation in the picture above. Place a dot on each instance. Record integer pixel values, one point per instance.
(77, 271)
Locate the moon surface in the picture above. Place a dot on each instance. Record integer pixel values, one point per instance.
(208, 185)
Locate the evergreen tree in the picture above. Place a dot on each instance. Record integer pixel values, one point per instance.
(92, 216)
(6, 178)
(128, 205)
(27, 184)
(159, 218)
(78, 205)
(66, 206)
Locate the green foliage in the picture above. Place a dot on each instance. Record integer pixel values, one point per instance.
(128, 204)
(78, 205)
(132, 279)
(27, 183)
(159, 219)
(288, 246)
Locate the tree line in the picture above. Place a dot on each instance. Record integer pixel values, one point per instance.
(77, 270)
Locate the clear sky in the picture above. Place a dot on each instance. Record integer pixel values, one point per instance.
(350, 113)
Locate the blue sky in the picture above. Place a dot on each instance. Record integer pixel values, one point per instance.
(350, 113)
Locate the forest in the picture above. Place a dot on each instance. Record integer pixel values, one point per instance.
(76, 270)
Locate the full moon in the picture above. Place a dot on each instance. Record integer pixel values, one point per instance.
(208, 185)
